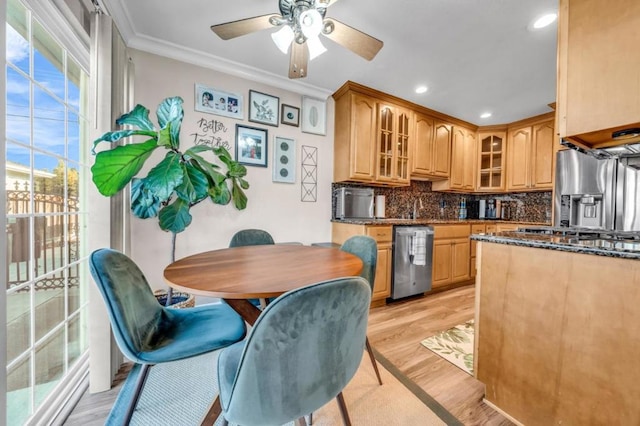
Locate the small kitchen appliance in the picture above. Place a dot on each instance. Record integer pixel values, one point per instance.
(353, 203)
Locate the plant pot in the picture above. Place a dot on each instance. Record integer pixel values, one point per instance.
(178, 299)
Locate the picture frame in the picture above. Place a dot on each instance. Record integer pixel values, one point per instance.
(290, 115)
(251, 146)
(218, 102)
(263, 108)
(314, 116)
(284, 160)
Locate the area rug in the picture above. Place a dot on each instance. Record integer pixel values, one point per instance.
(455, 345)
(179, 393)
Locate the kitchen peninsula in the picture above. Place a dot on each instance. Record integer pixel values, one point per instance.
(557, 326)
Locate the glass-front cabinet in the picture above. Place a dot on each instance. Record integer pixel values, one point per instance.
(490, 170)
(394, 124)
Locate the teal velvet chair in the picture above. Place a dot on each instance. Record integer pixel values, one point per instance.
(148, 333)
(252, 237)
(300, 354)
(366, 249)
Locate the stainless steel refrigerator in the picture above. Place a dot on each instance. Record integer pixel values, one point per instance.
(412, 260)
(597, 193)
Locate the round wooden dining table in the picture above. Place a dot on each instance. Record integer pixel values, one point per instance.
(261, 272)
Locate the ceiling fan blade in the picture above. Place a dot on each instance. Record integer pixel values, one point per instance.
(298, 60)
(355, 40)
(234, 29)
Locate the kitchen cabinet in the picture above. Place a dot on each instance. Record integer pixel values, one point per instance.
(463, 162)
(393, 136)
(491, 160)
(383, 235)
(530, 156)
(451, 255)
(598, 69)
(431, 148)
(476, 228)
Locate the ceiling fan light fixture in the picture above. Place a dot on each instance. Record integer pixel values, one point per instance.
(310, 23)
(544, 21)
(283, 38)
(315, 47)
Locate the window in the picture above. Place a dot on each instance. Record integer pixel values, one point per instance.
(46, 173)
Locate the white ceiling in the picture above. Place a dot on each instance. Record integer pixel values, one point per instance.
(474, 55)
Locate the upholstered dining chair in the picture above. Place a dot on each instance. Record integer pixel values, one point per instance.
(252, 237)
(148, 333)
(300, 354)
(366, 249)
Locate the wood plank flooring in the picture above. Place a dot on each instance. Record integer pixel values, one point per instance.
(395, 331)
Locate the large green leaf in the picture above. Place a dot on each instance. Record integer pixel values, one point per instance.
(234, 169)
(144, 204)
(197, 149)
(114, 169)
(116, 136)
(194, 185)
(220, 193)
(138, 116)
(170, 114)
(175, 217)
(166, 176)
(209, 169)
(239, 197)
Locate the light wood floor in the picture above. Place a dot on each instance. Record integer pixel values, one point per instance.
(395, 331)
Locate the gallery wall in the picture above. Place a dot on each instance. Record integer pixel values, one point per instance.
(273, 206)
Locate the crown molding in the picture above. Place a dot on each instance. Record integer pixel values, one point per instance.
(119, 13)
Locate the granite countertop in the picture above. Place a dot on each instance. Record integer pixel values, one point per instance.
(599, 247)
(391, 221)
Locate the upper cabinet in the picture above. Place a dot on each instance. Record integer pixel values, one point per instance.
(598, 70)
(463, 161)
(393, 135)
(491, 146)
(530, 158)
(431, 148)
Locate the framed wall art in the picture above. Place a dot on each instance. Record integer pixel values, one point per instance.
(290, 115)
(284, 159)
(251, 146)
(263, 108)
(314, 116)
(219, 102)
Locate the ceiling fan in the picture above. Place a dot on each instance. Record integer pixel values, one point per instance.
(301, 22)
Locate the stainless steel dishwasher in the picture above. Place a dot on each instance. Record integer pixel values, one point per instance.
(412, 260)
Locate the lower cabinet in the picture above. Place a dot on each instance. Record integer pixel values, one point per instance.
(476, 228)
(383, 235)
(451, 255)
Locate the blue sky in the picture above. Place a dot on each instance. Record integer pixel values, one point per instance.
(49, 110)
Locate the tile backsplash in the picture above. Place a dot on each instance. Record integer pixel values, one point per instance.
(520, 206)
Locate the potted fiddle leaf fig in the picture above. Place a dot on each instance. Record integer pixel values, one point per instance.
(177, 182)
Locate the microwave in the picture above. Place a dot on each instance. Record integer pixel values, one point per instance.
(353, 203)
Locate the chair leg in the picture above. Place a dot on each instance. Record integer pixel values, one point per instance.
(301, 422)
(214, 412)
(343, 410)
(144, 371)
(310, 419)
(373, 360)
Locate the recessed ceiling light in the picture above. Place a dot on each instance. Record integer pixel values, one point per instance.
(421, 89)
(485, 115)
(544, 21)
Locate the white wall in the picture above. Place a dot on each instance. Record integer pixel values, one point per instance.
(274, 207)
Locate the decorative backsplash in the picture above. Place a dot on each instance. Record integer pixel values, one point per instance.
(520, 206)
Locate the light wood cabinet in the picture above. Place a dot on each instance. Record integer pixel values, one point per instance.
(598, 69)
(530, 159)
(476, 228)
(431, 148)
(463, 162)
(383, 235)
(451, 255)
(491, 160)
(393, 136)
(355, 138)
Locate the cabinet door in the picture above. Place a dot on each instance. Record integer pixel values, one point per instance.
(457, 158)
(490, 174)
(402, 133)
(386, 119)
(460, 266)
(363, 137)
(423, 146)
(382, 283)
(394, 127)
(543, 165)
(470, 160)
(442, 254)
(442, 150)
(519, 155)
